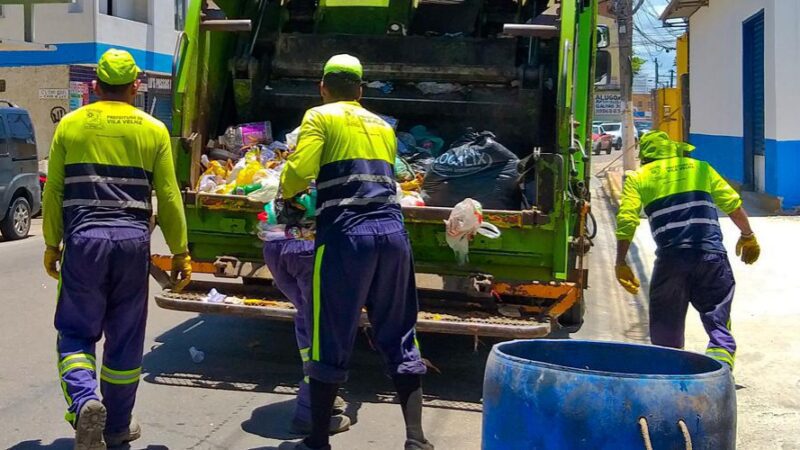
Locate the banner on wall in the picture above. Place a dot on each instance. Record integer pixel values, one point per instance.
(607, 104)
(78, 94)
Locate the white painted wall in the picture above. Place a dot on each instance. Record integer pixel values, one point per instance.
(787, 70)
(152, 30)
(715, 65)
(158, 35)
(52, 23)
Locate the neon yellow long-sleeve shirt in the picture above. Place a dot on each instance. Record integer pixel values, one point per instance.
(680, 196)
(105, 160)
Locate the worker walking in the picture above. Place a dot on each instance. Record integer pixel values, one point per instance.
(680, 196)
(105, 160)
(363, 255)
(289, 256)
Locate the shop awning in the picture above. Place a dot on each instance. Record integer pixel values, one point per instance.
(682, 9)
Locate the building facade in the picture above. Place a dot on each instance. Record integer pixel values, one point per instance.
(51, 74)
(744, 58)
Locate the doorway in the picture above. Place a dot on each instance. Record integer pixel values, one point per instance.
(753, 90)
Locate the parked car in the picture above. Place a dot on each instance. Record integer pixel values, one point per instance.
(20, 192)
(642, 127)
(615, 130)
(601, 141)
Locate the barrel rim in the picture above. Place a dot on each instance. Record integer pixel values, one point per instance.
(497, 352)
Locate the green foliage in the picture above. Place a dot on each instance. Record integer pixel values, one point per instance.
(636, 64)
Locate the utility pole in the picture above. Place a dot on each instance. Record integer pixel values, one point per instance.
(657, 79)
(671, 78)
(624, 11)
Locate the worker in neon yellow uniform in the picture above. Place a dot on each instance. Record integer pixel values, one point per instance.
(680, 196)
(105, 161)
(363, 255)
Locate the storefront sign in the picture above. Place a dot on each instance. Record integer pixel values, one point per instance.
(158, 83)
(53, 94)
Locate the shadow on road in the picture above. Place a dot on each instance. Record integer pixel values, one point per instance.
(68, 444)
(261, 356)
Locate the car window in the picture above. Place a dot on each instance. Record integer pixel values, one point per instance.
(21, 131)
(20, 126)
(597, 130)
(611, 127)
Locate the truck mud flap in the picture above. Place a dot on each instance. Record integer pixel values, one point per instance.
(266, 302)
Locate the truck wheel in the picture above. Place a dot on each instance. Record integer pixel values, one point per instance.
(572, 320)
(17, 223)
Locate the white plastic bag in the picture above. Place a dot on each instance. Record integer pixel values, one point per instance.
(466, 219)
(268, 190)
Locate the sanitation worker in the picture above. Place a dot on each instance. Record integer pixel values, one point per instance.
(105, 160)
(289, 256)
(363, 256)
(680, 196)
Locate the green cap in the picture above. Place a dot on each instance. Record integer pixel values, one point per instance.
(658, 145)
(344, 64)
(117, 67)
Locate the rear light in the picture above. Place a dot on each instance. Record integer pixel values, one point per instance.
(42, 179)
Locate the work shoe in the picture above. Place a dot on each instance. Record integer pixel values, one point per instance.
(339, 423)
(300, 446)
(339, 405)
(133, 432)
(413, 444)
(90, 425)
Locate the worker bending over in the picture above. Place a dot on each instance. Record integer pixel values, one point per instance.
(680, 196)
(363, 255)
(105, 160)
(289, 256)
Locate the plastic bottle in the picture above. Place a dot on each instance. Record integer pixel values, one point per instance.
(197, 355)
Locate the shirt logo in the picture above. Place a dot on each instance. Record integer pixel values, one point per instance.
(94, 119)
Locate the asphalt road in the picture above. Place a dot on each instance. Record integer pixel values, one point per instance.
(241, 395)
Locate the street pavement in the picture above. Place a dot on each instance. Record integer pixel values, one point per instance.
(241, 395)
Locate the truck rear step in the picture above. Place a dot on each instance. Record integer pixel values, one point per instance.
(435, 316)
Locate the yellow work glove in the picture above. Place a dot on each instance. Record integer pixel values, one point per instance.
(748, 248)
(52, 256)
(181, 273)
(627, 279)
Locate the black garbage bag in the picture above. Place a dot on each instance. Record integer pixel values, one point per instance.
(420, 160)
(475, 166)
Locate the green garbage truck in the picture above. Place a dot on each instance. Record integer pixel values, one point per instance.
(523, 69)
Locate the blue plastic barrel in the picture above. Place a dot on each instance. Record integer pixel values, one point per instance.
(572, 395)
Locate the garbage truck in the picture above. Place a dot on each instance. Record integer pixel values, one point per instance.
(523, 69)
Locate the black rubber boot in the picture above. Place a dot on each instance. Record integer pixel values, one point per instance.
(322, 397)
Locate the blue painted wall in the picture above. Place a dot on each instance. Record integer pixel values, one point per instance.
(83, 53)
(726, 154)
(783, 164)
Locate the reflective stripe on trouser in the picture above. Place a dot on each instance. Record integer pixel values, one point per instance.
(291, 263)
(101, 297)
(706, 281)
(352, 271)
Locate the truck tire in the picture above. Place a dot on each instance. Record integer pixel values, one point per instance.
(572, 320)
(17, 223)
